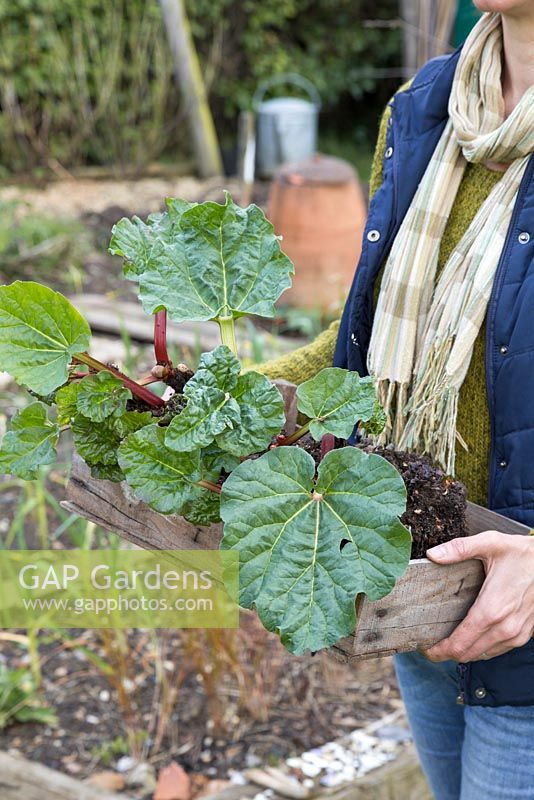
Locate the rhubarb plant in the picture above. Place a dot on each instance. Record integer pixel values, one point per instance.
(310, 537)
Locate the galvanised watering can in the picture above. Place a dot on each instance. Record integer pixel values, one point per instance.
(286, 127)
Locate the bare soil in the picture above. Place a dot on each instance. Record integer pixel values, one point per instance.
(286, 704)
(436, 504)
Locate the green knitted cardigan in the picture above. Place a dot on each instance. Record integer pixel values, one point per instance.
(473, 423)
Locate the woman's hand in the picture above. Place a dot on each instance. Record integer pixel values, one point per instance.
(502, 616)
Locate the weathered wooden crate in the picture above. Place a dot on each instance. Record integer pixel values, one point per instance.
(426, 604)
(424, 607)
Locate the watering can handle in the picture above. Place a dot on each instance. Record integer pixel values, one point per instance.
(286, 77)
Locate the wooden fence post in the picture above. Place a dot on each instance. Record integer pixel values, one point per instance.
(189, 79)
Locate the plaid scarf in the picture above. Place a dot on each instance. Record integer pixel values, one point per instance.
(424, 331)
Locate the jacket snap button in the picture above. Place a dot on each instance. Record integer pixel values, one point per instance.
(480, 693)
(373, 236)
(503, 349)
(388, 153)
(503, 463)
(524, 237)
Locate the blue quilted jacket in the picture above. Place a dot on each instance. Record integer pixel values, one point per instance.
(418, 117)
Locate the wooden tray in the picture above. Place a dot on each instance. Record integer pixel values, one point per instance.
(425, 606)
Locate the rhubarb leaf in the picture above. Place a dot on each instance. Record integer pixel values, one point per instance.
(375, 425)
(306, 551)
(29, 443)
(205, 415)
(161, 477)
(107, 472)
(142, 244)
(210, 408)
(98, 444)
(262, 416)
(214, 461)
(213, 260)
(335, 400)
(132, 421)
(40, 331)
(203, 507)
(102, 395)
(219, 368)
(241, 413)
(66, 402)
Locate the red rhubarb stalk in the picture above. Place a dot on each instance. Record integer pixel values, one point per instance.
(139, 391)
(160, 338)
(328, 443)
(213, 487)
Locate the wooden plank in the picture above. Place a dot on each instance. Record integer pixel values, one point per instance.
(426, 605)
(113, 507)
(482, 519)
(110, 316)
(21, 779)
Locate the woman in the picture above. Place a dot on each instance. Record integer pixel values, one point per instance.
(441, 314)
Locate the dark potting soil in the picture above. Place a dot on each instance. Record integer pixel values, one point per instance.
(436, 503)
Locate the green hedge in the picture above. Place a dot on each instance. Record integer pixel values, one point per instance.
(90, 81)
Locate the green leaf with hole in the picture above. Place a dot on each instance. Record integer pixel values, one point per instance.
(335, 400)
(309, 545)
(102, 395)
(29, 443)
(213, 260)
(161, 477)
(40, 332)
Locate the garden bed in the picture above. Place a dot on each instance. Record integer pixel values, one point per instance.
(292, 705)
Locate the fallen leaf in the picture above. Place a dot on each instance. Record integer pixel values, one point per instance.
(107, 780)
(173, 784)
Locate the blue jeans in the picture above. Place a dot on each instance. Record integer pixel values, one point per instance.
(466, 752)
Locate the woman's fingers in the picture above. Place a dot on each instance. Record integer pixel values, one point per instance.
(502, 616)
